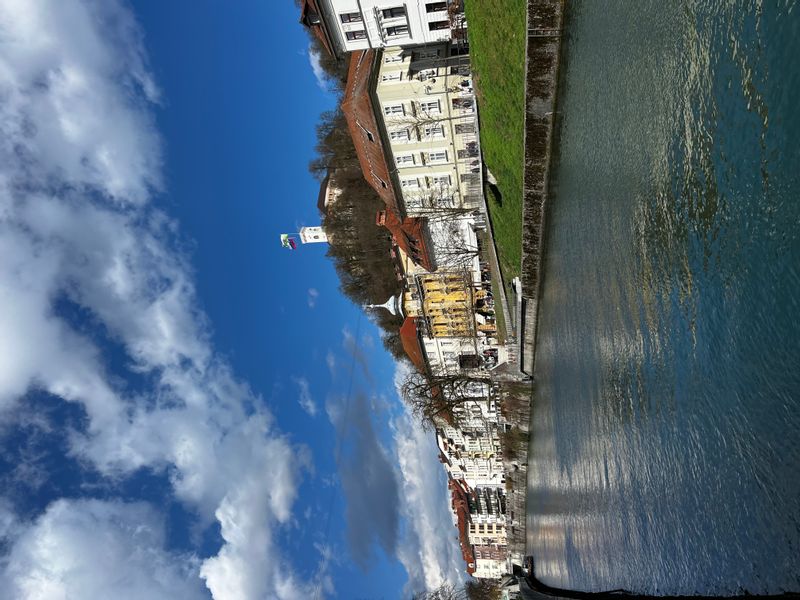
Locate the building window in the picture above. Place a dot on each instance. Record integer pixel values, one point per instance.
(430, 107)
(409, 183)
(359, 34)
(391, 76)
(434, 131)
(394, 109)
(462, 128)
(351, 17)
(391, 13)
(399, 135)
(426, 54)
(470, 152)
(404, 159)
(435, 6)
(462, 103)
(397, 31)
(437, 156)
(473, 178)
(437, 25)
(393, 58)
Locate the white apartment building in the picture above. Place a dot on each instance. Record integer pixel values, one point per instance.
(425, 97)
(362, 24)
(487, 534)
(472, 456)
(489, 568)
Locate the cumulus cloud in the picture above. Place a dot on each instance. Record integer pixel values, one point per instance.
(80, 161)
(430, 556)
(368, 481)
(306, 401)
(94, 550)
(313, 294)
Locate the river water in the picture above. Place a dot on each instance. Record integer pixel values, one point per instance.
(666, 427)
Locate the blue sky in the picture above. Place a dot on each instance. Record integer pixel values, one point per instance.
(175, 388)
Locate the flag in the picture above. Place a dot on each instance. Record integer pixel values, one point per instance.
(287, 242)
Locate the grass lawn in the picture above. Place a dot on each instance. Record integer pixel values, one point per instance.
(497, 50)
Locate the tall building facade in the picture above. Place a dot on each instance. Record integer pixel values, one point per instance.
(349, 25)
(425, 99)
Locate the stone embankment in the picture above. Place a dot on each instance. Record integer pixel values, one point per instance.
(544, 24)
(516, 403)
(545, 18)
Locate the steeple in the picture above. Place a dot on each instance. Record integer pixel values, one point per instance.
(394, 305)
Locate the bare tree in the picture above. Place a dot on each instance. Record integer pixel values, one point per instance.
(476, 589)
(437, 398)
(454, 248)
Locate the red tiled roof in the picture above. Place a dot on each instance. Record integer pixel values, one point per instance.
(311, 17)
(410, 341)
(461, 509)
(364, 129)
(411, 234)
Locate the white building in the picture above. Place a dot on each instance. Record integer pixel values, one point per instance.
(425, 99)
(313, 235)
(472, 456)
(490, 562)
(488, 534)
(350, 25)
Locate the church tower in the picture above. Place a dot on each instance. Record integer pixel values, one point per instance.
(313, 235)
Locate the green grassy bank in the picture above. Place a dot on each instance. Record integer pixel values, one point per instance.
(497, 51)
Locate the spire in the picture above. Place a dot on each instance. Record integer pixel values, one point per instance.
(393, 305)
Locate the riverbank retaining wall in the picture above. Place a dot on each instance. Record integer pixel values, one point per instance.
(544, 24)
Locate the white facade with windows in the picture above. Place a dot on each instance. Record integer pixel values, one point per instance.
(489, 568)
(426, 100)
(362, 24)
(472, 455)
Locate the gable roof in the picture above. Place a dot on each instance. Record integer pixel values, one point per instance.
(411, 345)
(412, 235)
(461, 510)
(364, 129)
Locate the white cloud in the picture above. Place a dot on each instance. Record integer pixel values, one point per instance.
(429, 547)
(306, 401)
(330, 360)
(96, 550)
(313, 294)
(79, 162)
(316, 67)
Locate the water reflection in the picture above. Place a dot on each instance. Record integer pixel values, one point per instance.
(666, 426)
